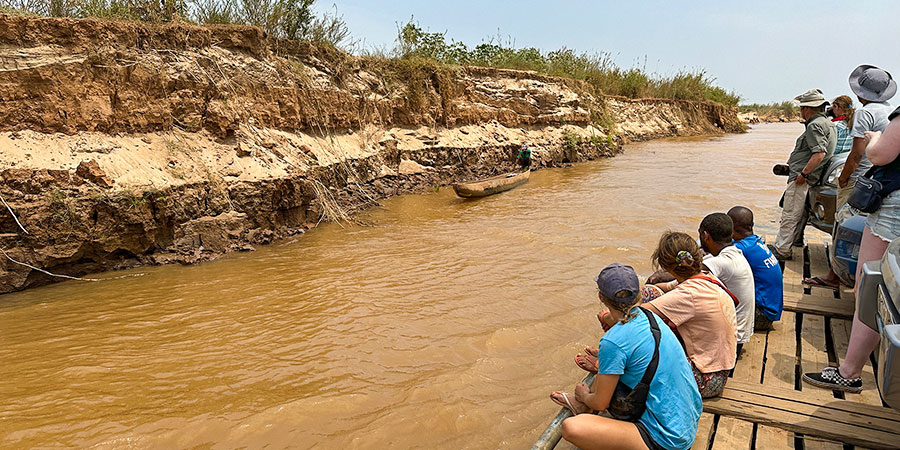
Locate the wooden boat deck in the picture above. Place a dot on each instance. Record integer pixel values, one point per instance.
(767, 406)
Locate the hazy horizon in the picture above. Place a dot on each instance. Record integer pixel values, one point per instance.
(765, 51)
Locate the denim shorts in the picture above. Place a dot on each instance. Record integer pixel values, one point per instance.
(885, 223)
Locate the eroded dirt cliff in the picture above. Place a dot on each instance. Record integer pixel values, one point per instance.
(126, 144)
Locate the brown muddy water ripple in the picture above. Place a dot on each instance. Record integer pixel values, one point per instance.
(443, 324)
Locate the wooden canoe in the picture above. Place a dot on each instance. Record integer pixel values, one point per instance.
(490, 186)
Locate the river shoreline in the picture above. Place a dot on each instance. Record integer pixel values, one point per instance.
(131, 144)
(227, 218)
(342, 337)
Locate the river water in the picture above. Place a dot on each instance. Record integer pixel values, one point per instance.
(442, 324)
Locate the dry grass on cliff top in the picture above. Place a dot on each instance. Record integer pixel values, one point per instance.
(596, 69)
(287, 19)
(296, 20)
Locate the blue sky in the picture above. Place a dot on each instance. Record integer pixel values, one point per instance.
(765, 50)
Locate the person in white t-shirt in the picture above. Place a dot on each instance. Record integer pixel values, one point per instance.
(729, 265)
(873, 88)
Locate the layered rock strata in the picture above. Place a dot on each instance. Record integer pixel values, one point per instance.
(126, 144)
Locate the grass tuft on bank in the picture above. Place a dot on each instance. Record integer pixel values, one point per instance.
(784, 109)
(288, 19)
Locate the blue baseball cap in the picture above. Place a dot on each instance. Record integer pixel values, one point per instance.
(616, 278)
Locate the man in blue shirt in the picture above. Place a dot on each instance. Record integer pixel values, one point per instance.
(767, 277)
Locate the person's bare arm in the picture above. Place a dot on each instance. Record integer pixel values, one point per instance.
(817, 140)
(884, 147)
(856, 153)
(599, 394)
(654, 310)
(666, 287)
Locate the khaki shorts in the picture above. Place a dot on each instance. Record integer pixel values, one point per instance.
(843, 194)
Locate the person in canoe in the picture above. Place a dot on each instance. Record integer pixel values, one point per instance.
(644, 380)
(523, 159)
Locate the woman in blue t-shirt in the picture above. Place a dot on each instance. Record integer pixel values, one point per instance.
(673, 404)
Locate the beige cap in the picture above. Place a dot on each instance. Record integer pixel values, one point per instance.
(811, 98)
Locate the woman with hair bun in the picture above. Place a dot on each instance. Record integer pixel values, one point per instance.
(701, 310)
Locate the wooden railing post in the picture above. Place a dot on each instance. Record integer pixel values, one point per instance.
(551, 436)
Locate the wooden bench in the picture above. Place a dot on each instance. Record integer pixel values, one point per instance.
(837, 420)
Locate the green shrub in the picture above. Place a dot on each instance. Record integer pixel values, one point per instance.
(220, 12)
(571, 140)
(25, 7)
(328, 29)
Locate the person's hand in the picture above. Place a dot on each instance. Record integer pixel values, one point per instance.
(800, 181)
(605, 319)
(842, 182)
(581, 392)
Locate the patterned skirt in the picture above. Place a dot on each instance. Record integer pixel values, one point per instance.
(710, 384)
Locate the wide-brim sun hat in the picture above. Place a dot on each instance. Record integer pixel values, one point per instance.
(872, 84)
(811, 98)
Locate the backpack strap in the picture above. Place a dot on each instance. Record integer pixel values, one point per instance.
(650, 372)
(719, 284)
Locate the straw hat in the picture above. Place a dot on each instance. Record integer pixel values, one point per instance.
(872, 84)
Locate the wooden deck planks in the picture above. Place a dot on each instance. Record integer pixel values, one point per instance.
(781, 354)
(876, 416)
(847, 294)
(816, 304)
(773, 438)
(818, 263)
(733, 434)
(811, 443)
(813, 354)
(750, 366)
(834, 420)
(704, 432)
(793, 271)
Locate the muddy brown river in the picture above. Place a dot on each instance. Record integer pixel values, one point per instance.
(443, 324)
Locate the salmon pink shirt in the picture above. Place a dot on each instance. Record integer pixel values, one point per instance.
(705, 317)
